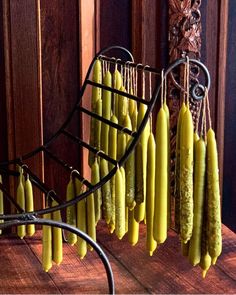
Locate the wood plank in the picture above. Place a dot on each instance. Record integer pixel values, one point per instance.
(134, 270)
(88, 275)
(3, 117)
(23, 83)
(8, 80)
(210, 11)
(87, 47)
(150, 32)
(10, 137)
(21, 271)
(229, 189)
(167, 271)
(24, 57)
(150, 37)
(115, 23)
(221, 85)
(60, 70)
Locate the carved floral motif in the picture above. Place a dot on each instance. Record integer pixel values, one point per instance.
(184, 28)
(184, 39)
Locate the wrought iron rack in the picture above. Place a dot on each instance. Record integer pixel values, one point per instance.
(22, 217)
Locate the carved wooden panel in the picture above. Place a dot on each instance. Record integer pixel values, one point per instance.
(184, 38)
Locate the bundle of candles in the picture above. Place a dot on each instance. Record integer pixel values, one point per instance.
(140, 190)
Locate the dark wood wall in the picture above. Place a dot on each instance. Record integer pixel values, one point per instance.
(60, 82)
(46, 48)
(229, 191)
(115, 23)
(40, 83)
(22, 95)
(218, 53)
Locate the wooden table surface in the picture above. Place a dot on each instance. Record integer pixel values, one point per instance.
(134, 271)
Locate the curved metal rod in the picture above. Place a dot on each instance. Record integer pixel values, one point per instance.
(197, 86)
(107, 49)
(121, 162)
(76, 231)
(68, 119)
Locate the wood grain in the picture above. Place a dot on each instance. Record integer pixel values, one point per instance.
(167, 271)
(221, 83)
(210, 30)
(60, 71)
(135, 272)
(150, 32)
(115, 26)
(87, 46)
(23, 101)
(21, 271)
(150, 36)
(229, 189)
(3, 117)
(92, 276)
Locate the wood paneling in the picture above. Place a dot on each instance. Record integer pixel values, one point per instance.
(3, 117)
(150, 35)
(229, 191)
(23, 101)
(115, 23)
(25, 84)
(218, 43)
(60, 71)
(149, 32)
(60, 62)
(87, 48)
(210, 33)
(41, 44)
(221, 83)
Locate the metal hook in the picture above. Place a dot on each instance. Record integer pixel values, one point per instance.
(24, 165)
(127, 63)
(126, 74)
(137, 65)
(49, 194)
(99, 152)
(113, 58)
(116, 60)
(77, 172)
(74, 171)
(117, 165)
(146, 66)
(136, 79)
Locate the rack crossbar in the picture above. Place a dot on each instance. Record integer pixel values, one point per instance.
(67, 167)
(106, 121)
(89, 147)
(113, 90)
(41, 185)
(11, 199)
(138, 66)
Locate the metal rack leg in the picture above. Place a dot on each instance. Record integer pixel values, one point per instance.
(76, 231)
